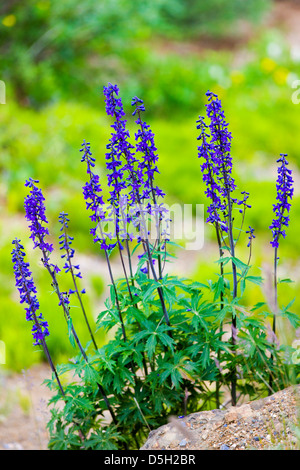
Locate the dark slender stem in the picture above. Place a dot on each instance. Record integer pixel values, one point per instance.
(68, 318)
(274, 314)
(124, 269)
(159, 289)
(248, 264)
(158, 222)
(275, 289)
(234, 272)
(130, 294)
(221, 306)
(77, 291)
(221, 252)
(116, 295)
(129, 262)
(146, 245)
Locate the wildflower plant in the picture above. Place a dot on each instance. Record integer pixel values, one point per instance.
(167, 353)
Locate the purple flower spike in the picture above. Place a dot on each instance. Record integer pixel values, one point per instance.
(35, 214)
(285, 191)
(65, 241)
(215, 150)
(210, 169)
(27, 291)
(145, 145)
(118, 147)
(92, 193)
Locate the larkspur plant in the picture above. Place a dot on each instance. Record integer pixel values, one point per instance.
(168, 353)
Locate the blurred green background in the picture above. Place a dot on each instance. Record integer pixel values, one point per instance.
(55, 58)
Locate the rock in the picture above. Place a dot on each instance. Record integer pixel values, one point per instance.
(252, 425)
(231, 416)
(224, 447)
(12, 446)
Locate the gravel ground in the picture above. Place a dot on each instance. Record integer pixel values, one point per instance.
(23, 409)
(266, 424)
(261, 424)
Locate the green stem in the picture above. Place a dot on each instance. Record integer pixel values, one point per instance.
(77, 291)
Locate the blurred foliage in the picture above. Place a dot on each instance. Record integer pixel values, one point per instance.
(55, 59)
(52, 49)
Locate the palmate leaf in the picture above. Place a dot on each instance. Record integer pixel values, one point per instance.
(219, 287)
(176, 368)
(223, 260)
(240, 264)
(151, 345)
(205, 356)
(152, 287)
(285, 281)
(59, 441)
(155, 335)
(105, 438)
(70, 332)
(76, 402)
(104, 361)
(255, 279)
(292, 317)
(173, 373)
(198, 285)
(170, 295)
(123, 378)
(135, 313)
(91, 376)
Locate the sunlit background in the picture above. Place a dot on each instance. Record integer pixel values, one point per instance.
(56, 56)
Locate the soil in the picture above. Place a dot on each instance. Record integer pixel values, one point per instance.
(23, 409)
(269, 423)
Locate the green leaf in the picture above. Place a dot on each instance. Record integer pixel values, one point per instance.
(287, 281)
(255, 279)
(90, 375)
(198, 285)
(223, 260)
(219, 287)
(70, 332)
(154, 285)
(243, 285)
(151, 344)
(205, 359)
(239, 264)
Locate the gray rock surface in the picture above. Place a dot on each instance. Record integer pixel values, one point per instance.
(267, 423)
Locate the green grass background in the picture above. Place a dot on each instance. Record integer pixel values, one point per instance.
(49, 111)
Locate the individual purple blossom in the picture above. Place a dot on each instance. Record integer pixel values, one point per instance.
(65, 242)
(144, 269)
(285, 191)
(250, 236)
(243, 202)
(27, 291)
